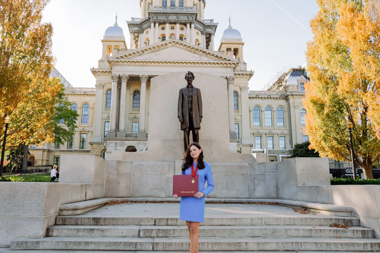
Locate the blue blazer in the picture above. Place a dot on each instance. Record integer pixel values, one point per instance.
(204, 175)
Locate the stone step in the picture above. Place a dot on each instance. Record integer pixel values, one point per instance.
(208, 231)
(205, 244)
(209, 221)
(8, 250)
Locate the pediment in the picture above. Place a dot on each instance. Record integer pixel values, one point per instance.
(172, 51)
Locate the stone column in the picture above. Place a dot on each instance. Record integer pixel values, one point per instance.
(177, 32)
(230, 81)
(156, 33)
(192, 42)
(132, 43)
(98, 112)
(204, 40)
(124, 80)
(112, 131)
(152, 33)
(143, 8)
(167, 31)
(188, 36)
(212, 42)
(200, 9)
(142, 131)
(245, 111)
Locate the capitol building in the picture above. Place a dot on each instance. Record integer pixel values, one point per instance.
(173, 36)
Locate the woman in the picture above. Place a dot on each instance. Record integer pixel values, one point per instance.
(192, 209)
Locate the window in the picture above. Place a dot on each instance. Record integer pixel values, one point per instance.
(302, 87)
(57, 145)
(74, 107)
(195, 7)
(305, 138)
(149, 6)
(258, 142)
(83, 138)
(106, 128)
(256, 116)
(270, 142)
(85, 113)
(237, 130)
(164, 3)
(108, 98)
(70, 144)
(136, 99)
(282, 142)
(61, 121)
(172, 3)
(163, 38)
(56, 161)
(280, 117)
(181, 38)
(236, 101)
(181, 4)
(135, 127)
(303, 117)
(268, 116)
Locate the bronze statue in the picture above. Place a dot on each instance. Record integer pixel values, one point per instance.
(190, 110)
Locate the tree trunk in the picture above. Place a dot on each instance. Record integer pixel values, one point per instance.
(25, 160)
(368, 171)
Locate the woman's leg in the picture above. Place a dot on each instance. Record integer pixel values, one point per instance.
(188, 227)
(194, 226)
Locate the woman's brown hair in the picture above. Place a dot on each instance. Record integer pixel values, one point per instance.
(188, 160)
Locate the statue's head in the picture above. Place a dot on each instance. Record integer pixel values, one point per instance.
(189, 76)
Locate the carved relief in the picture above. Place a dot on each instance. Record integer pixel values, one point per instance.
(99, 86)
(115, 78)
(144, 78)
(124, 78)
(244, 88)
(230, 79)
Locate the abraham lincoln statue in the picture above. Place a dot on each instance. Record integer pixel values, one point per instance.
(190, 110)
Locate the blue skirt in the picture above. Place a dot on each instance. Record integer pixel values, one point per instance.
(192, 209)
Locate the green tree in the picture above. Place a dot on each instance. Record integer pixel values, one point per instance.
(302, 150)
(64, 120)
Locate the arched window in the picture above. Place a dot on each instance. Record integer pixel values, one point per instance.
(164, 3)
(149, 6)
(163, 38)
(256, 116)
(108, 98)
(181, 4)
(172, 3)
(181, 38)
(268, 116)
(280, 117)
(74, 107)
(136, 99)
(195, 7)
(236, 101)
(303, 117)
(85, 113)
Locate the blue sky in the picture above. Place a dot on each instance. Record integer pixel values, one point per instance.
(275, 33)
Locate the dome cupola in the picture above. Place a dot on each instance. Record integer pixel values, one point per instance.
(231, 34)
(114, 31)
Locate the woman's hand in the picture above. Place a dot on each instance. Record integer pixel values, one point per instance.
(175, 196)
(199, 195)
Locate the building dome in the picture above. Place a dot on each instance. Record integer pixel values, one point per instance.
(114, 31)
(231, 34)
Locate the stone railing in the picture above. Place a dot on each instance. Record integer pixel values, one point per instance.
(168, 8)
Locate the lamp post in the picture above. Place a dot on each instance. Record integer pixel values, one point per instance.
(7, 121)
(350, 126)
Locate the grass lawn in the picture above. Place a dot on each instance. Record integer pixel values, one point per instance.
(27, 178)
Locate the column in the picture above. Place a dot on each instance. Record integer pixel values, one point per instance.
(142, 132)
(132, 43)
(124, 80)
(245, 111)
(212, 42)
(156, 33)
(167, 31)
(230, 81)
(177, 32)
(98, 112)
(112, 130)
(152, 33)
(192, 42)
(140, 40)
(200, 9)
(143, 8)
(204, 40)
(188, 36)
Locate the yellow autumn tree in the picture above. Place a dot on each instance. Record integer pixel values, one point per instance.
(344, 66)
(27, 94)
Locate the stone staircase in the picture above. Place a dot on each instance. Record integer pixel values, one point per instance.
(260, 233)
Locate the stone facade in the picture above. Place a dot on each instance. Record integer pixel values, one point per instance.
(170, 39)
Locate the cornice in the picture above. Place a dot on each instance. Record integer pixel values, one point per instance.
(152, 62)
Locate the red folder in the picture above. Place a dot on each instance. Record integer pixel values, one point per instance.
(183, 185)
